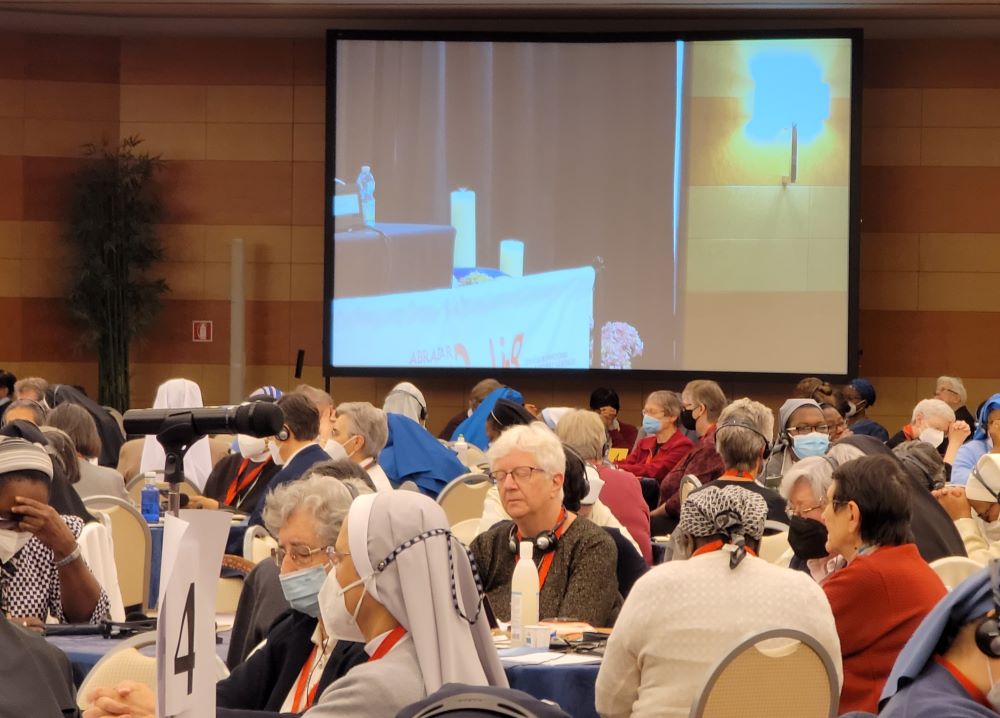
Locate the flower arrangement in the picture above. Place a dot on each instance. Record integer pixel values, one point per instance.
(620, 342)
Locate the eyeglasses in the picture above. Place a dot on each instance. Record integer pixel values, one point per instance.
(301, 554)
(944, 389)
(802, 512)
(520, 473)
(804, 429)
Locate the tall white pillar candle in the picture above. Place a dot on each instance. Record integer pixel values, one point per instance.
(463, 219)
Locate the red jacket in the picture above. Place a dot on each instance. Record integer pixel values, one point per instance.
(703, 461)
(649, 460)
(878, 600)
(623, 496)
(624, 436)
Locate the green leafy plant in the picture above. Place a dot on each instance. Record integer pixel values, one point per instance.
(112, 230)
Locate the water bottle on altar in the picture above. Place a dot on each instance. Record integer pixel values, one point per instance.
(366, 194)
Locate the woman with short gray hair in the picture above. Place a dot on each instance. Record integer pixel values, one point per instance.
(363, 431)
(663, 446)
(804, 487)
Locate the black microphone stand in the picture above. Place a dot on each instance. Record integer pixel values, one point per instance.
(176, 436)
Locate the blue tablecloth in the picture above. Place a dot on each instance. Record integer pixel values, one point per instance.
(234, 545)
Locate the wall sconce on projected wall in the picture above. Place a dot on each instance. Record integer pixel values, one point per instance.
(789, 94)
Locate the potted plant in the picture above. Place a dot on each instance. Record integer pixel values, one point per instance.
(112, 231)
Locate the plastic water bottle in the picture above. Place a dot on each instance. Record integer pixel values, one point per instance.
(523, 595)
(150, 504)
(462, 449)
(366, 194)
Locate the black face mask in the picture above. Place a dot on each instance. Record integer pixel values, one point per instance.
(687, 419)
(807, 537)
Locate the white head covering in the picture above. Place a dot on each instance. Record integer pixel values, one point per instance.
(405, 399)
(179, 394)
(551, 415)
(984, 480)
(596, 484)
(424, 581)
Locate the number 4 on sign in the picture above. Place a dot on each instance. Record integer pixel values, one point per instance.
(185, 663)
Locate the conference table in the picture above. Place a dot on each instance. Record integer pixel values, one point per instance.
(569, 685)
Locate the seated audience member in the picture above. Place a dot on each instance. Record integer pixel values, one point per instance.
(299, 659)
(25, 410)
(702, 402)
(663, 446)
(476, 429)
(923, 463)
(804, 487)
(110, 432)
(934, 423)
(294, 449)
(607, 405)
(933, 531)
(505, 414)
(479, 392)
(65, 471)
(975, 509)
(867, 516)
(95, 480)
(742, 440)
(986, 439)
(682, 617)
(836, 421)
(32, 388)
(6, 390)
(951, 390)
(363, 431)
(393, 587)
(174, 394)
(41, 570)
(802, 432)
(36, 678)
(577, 569)
(943, 670)
(584, 432)
(814, 388)
(413, 454)
(408, 400)
(859, 396)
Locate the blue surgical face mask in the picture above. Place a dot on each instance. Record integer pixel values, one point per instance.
(301, 589)
(650, 425)
(812, 444)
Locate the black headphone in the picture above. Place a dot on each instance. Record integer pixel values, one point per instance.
(543, 542)
(988, 629)
(834, 464)
(743, 424)
(576, 485)
(283, 433)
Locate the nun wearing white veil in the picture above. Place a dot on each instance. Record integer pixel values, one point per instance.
(409, 590)
(179, 394)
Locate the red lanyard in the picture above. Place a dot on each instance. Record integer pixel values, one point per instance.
(543, 568)
(238, 485)
(717, 546)
(303, 681)
(734, 474)
(388, 643)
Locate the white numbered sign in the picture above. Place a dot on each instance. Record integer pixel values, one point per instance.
(185, 633)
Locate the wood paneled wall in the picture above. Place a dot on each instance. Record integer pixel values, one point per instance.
(240, 123)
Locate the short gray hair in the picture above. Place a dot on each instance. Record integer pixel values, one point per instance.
(739, 446)
(584, 432)
(345, 470)
(842, 453)
(923, 462)
(956, 384)
(31, 383)
(536, 439)
(368, 422)
(320, 399)
(37, 410)
(816, 470)
(326, 499)
(669, 400)
(933, 407)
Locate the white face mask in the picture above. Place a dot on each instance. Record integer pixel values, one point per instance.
(252, 447)
(11, 542)
(335, 449)
(934, 437)
(275, 449)
(338, 622)
(991, 530)
(852, 408)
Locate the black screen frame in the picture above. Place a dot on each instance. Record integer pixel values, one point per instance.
(597, 375)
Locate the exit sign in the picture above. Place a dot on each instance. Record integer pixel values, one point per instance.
(201, 330)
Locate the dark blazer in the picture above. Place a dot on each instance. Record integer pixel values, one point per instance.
(291, 471)
(263, 681)
(35, 678)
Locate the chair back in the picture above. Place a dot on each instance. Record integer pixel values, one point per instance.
(952, 570)
(137, 483)
(127, 661)
(689, 483)
(257, 544)
(781, 672)
(98, 550)
(465, 530)
(774, 543)
(463, 497)
(132, 547)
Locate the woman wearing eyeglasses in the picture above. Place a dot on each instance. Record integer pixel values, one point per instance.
(885, 590)
(576, 559)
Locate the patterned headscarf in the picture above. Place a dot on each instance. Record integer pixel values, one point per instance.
(731, 512)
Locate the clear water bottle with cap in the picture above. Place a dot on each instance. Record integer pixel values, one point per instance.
(523, 594)
(366, 194)
(150, 502)
(461, 447)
